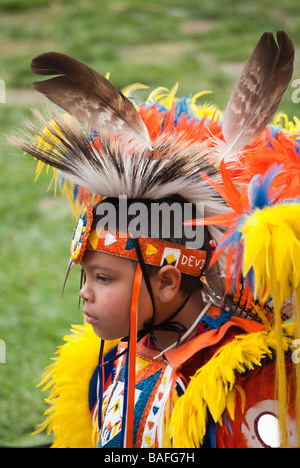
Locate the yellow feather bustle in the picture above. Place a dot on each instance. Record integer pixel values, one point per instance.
(69, 417)
(213, 386)
(271, 239)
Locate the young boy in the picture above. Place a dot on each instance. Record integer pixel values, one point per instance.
(177, 365)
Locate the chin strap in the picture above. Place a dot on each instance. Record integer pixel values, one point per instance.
(130, 365)
(130, 371)
(133, 337)
(145, 273)
(149, 327)
(189, 331)
(168, 324)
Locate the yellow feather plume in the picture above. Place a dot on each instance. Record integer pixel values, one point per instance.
(272, 235)
(69, 417)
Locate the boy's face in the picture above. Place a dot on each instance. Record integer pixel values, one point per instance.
(107, 292)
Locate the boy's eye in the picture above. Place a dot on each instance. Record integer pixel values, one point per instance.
(103, 279)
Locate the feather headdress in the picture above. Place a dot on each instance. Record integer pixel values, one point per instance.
(110, 167)
(96, 159)
(103, 145)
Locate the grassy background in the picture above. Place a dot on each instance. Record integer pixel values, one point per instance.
(200, 44)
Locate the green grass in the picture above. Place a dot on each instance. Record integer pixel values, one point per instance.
(35, 229)
(200, 44)
(157, 43)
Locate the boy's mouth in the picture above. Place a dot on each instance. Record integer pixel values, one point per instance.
(89, 318)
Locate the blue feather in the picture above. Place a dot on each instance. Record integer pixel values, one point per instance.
(216, 323)
(259, 188)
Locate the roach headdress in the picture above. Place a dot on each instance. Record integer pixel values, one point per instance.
(107, 145)
(100, 143)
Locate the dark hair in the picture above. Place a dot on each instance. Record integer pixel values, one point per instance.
(145, 228)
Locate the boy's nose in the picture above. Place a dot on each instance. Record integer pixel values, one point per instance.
(86, 293)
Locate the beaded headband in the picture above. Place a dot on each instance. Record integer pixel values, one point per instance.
(155, 251)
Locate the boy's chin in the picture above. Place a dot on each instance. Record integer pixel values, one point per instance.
(106, 336)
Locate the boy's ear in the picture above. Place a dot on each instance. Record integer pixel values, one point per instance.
(168, 285)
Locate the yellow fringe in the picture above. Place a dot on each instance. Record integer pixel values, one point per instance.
(281, 120)
(297, 364)
(69, 417)
(213, 386)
